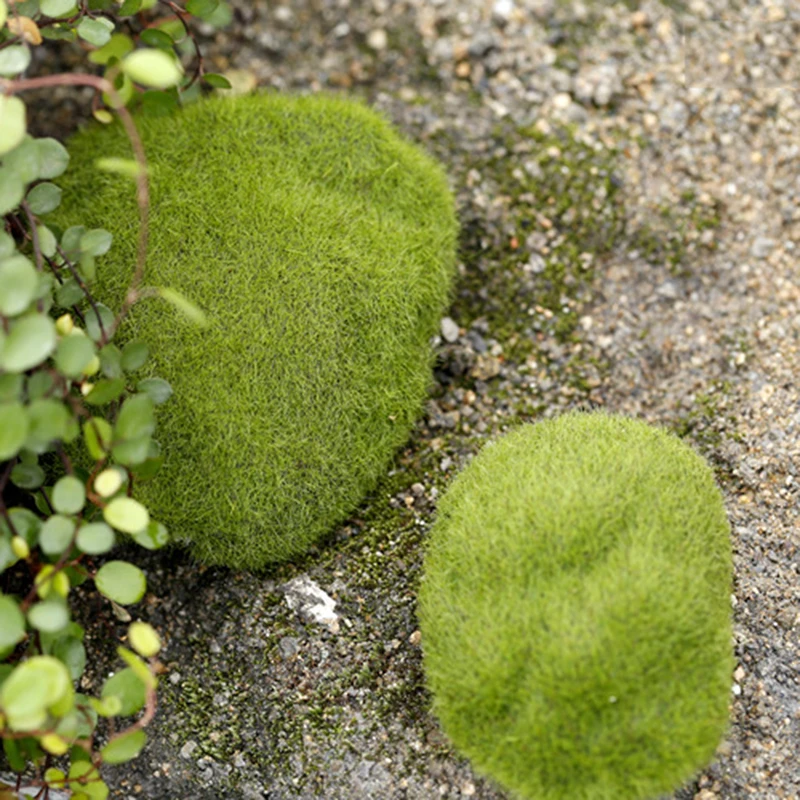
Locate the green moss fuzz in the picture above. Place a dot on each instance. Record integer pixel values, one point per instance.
(321, 245)
(575, 610)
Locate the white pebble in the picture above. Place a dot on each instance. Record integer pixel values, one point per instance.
(377, 39)
(450, 330)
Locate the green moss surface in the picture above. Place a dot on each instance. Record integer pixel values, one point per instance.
(321, 245)
(575, 610)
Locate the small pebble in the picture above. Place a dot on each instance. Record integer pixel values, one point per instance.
(450, 330)
(503, 9)
(762, 247)
(378, 39)
(188, 749)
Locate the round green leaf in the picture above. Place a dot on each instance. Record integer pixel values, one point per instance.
(134, 355)
(95, 31)
(48, 617)
(7, 558)
(44, 198)
(87, 718)
(25, 160)
(7, 245)
(13, 430)
(69, 495)
(152, 68)
(49, 420)
(31, 689)
(88, 267)
(124, 747)
(109, 481)
(123, 86)
(129, 7)
(69, 293)
(202, 8)
(216, 81)
(157, 389)
(144, 639)
(73, 355)
(25, 522)
(71, 240)
(71, 651)
(12, 623)
(111, 361)
(153, 537)
(56, 535)
(93, 326)
(62, 32)
(53, 158)
(56, 8)
(108, 707)
(153, 37)
(49, 640)
(12, 187)
(30, 342)
(27, 457)
(11, 387)
(13, 751)
(132, 452)
(105, 391)
(118, 45)
(96, 242)
(97, 434)
(91, 787)
(126, 685)
(148, 468)
(39, 385)
(47, 241)
(126, 515)
(95, 538)
(44, 290)
(27, 476)
(136, 418)
(13, 60)
(18, 284)
(120, 581)
(20, 547)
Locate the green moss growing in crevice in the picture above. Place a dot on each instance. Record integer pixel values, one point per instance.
(709, 421)
(560, 212)
(673, 233)
(380, 547)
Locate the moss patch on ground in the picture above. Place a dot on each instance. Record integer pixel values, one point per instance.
(295, 708)
(673, 234)
(561, 212)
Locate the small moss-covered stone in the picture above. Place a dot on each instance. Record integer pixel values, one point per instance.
(321, 246)
(575, 610)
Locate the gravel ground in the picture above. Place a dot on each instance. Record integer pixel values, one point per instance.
(627, 180)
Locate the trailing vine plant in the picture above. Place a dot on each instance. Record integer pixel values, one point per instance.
(77, 422)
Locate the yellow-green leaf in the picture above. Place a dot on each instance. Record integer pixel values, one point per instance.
(120, 581)
(152, 68)
(12, 117)
(126, 515)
